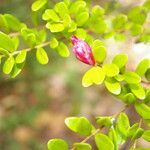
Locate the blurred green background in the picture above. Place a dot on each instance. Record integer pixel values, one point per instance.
(33, 106)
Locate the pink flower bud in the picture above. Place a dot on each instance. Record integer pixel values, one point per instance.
(82, 51)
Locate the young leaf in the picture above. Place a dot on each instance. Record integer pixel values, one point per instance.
(82, 146)
(123, 125)
(57, 144)
(132, 78)
(146, 135)
(63, 50)
(113, 136)
(103, 142)
(82, 18)
(53, 43)
(142, 67)
(143, 110)
(6, 42)
(38, 4)
(129, 98)
(111, 70)
(41, 56)
(136, 29)
(113, 86)
(55, 27)
(99, 51)
(120, 60)
(147, 74)
(95, 75)
(13, 23)
(50, 14)
(8, 65)
(138, 91)
(80, 125)
(20, 58)
(104, 121)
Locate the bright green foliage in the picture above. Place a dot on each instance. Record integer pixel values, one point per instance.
(147, 74)
(103, 142)
(142, 67)
(82, 146)
(8, 65)
(113, 136)
(13, 23)
(132, 78)
(81, 33)
(138, 90)
(113, 86)
(143, 110)
(50, 14)
(136, 29)
(119, 37)
(41, 56)
(6, 42)
(104, 121)
(99, 51)
(147, 5)
(137, 14)
(38, 4)
(53, 43)
(21, 57)
(97, 11)
(123, 125)
(95, 75)
(119, 22)
(57, 144)
(82, 18)
(129, 98)
(120, 60)
(55, 27)
(111, 70)
(146, 135)
(79, 124)
(63, 50)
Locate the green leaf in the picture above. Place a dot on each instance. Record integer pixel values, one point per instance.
(103, 142)
(147, 98)
(8, 65)
(21, 57)
(13, 23)
(3, 24)
(98, 11)
(135, 132)
(79, 125)
(129, 98)
(50, 14)
(38, 4)
(146, 135)
(67, 20)
(136, 29)
(4, 52)
(104, 121)
(82, 146)
(55, 27)
(57, 144)
(147, 74)
(122, 125)
(6, 42)
(82, 18)
(63, 50)
(99, 51)
(142, 67)
(81, 33)
(111, 70)
(113, 136)
(41, 56)
(61, 8)
(53, 43)
(113, 86)
(132, 78)
(119, 37)
(73, 27)
(120, 60)
(137, 14)
(119, 21)
(143, 110)
(16, 69)
(147, 5)
(138, 91)
(95, 75)
(16, 42)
